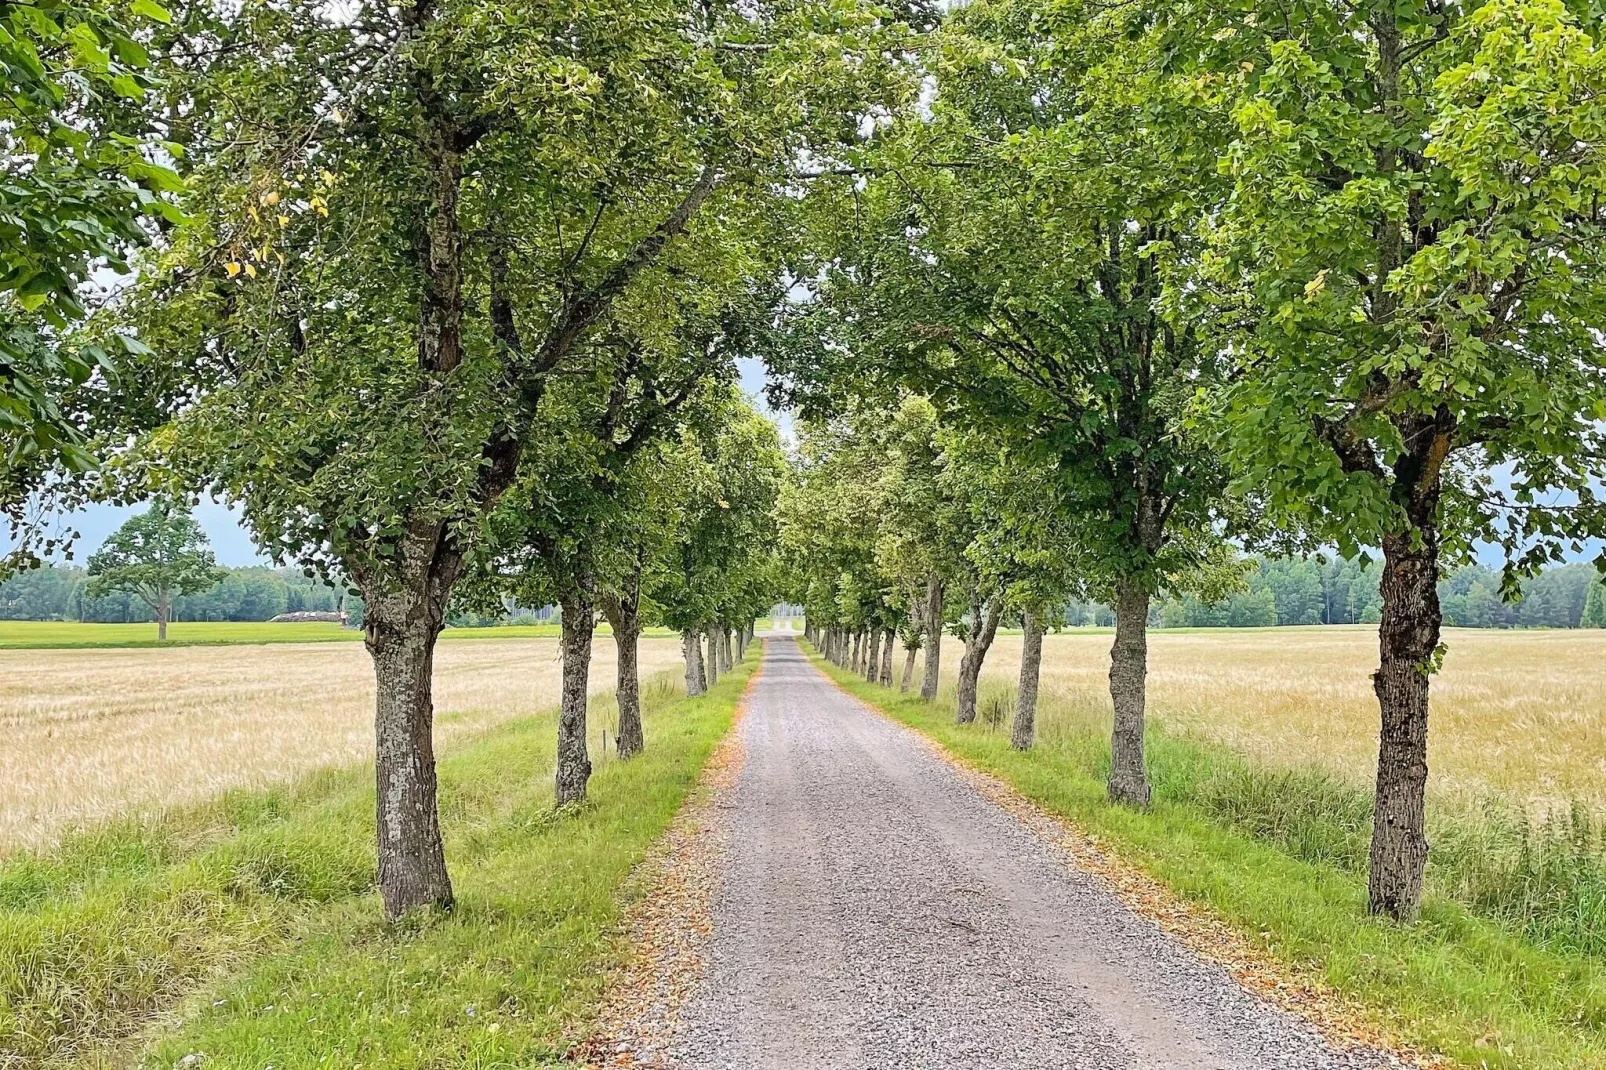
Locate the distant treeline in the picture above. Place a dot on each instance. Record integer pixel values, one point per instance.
(1281, 590)
(57, 592)
(1337, 591)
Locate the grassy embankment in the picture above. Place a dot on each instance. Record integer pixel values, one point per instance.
(248, 929)
(1507, 967)
(56, 634)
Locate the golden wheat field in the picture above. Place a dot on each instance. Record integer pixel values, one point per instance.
(1520, 714)
(91, 734)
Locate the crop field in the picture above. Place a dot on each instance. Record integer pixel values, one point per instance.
(92, 734)
(1516, 714)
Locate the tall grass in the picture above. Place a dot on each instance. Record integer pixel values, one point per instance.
(247, 929)
(1542, 875)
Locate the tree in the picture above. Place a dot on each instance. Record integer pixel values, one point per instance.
(1025, 546)
(713, 572)
(1594, 615)
(154, 556)
(439, 211)
(999, 257)
(579, 526)
(1405, 268)
(77, 177)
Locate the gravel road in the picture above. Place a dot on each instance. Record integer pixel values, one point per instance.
(876, 911)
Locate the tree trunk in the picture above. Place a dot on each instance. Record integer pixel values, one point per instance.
(1024, 731)
(624, 617)
(886, 656)
(691, 648)
(1408, 637)
(574, 764)
(711, 666)
(872, 657)
(1129, 667)
(400, 628)
(727, 661)
(983, 627)
(858, 646)
(908, 667)
(933, 626)
(163, 604)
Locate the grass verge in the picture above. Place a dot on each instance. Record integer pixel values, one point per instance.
(247, 931)
(1483, 992)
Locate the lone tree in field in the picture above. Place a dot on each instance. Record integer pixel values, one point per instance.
(160, 553)
(1409, 266)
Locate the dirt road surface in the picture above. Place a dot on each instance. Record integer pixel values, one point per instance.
(877, 913)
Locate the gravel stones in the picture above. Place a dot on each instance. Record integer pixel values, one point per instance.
(880, 908)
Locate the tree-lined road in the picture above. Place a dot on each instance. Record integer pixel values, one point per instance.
(878, 912)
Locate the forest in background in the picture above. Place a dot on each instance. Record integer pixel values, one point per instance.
(59, 592)
(1296, 590)
(1278, 591)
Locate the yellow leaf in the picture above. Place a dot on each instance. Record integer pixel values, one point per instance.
(1316, 285)
(232, 268)
(284, 221)
(251, 270)
(271, 198)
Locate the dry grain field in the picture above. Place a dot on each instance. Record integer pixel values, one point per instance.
(1518, 714)
(91, 734)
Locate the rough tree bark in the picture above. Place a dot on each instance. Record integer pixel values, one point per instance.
(872, 656)
(574, 764)
(624, 617)
(1129, 666)
(403, 618)
(727, 661)
(858, 649)
(691, 647)
(711, 666)
(1408, 643)
(983, 627)
(887, 642)
(163, 603)
(909, 653)
(932, 622)
(1024, 731)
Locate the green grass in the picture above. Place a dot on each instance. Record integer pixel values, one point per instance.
(53, 634)
(248, 929)
(1496, 979)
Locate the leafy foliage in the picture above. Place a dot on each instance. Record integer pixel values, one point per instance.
(155, 555)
